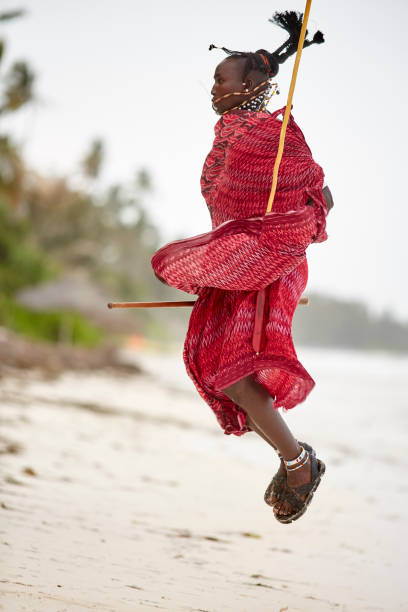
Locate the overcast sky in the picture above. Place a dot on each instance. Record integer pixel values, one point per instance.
(138, 75)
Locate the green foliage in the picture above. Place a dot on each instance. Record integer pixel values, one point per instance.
(17, 82)
(109, 235)
(18, 89)
(11, 172)
(9, 15)
(21, 263)
(50, 326)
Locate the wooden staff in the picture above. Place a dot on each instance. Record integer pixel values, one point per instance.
(260, 299)
(303, 300)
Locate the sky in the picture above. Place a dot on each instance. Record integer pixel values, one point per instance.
(138, 75)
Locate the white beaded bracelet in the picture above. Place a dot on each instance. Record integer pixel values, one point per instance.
(298, 459)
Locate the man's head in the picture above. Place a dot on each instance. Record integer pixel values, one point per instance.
(236, 78)
(239, 77)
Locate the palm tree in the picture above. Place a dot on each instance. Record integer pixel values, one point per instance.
(17, 83)
(16, 90)
(17, 87)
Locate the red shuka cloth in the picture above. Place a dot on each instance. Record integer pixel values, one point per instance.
(247, 251)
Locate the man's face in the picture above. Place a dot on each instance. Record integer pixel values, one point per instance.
(228, 79)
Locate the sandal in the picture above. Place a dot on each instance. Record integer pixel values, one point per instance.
(278, 482)
(293, 495)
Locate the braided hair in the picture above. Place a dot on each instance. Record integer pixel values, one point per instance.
(266, 62)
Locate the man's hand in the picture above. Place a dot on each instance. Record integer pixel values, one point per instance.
(328, 197)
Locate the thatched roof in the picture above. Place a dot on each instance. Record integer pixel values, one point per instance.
(79, 295)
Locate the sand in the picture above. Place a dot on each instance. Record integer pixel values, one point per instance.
(120, 493)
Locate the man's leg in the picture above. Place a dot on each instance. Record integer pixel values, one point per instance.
(258, 405)
(254, 399)
(258, 431)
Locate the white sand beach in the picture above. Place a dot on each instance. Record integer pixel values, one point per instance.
(121, 493)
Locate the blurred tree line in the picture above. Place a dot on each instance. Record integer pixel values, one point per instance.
(49, 227)
(333, 322)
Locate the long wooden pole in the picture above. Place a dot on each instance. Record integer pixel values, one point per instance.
(151, 304)
(303, 300)
(288, 106)
(260, 298)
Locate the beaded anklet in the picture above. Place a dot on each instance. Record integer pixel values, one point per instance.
(298, 462)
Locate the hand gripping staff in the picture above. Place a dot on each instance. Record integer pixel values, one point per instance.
(260, 301)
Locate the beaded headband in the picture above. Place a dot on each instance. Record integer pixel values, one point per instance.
(267, 64)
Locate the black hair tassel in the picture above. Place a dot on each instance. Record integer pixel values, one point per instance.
(291, 21)
(318, 38)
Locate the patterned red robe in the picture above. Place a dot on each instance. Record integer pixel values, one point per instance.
(245, 252)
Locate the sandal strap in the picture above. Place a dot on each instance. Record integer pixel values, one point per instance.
(276, 482)
(290, 496)
(278, 479)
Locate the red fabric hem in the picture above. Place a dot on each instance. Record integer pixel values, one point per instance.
(290, 366)
(234, 412)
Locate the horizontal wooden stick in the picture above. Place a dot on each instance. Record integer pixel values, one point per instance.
(150, 304)
(303, 300)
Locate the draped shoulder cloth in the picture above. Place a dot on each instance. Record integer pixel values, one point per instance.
(248, 249)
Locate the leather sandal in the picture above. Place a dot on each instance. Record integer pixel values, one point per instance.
(278, 482)
(293, 495)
